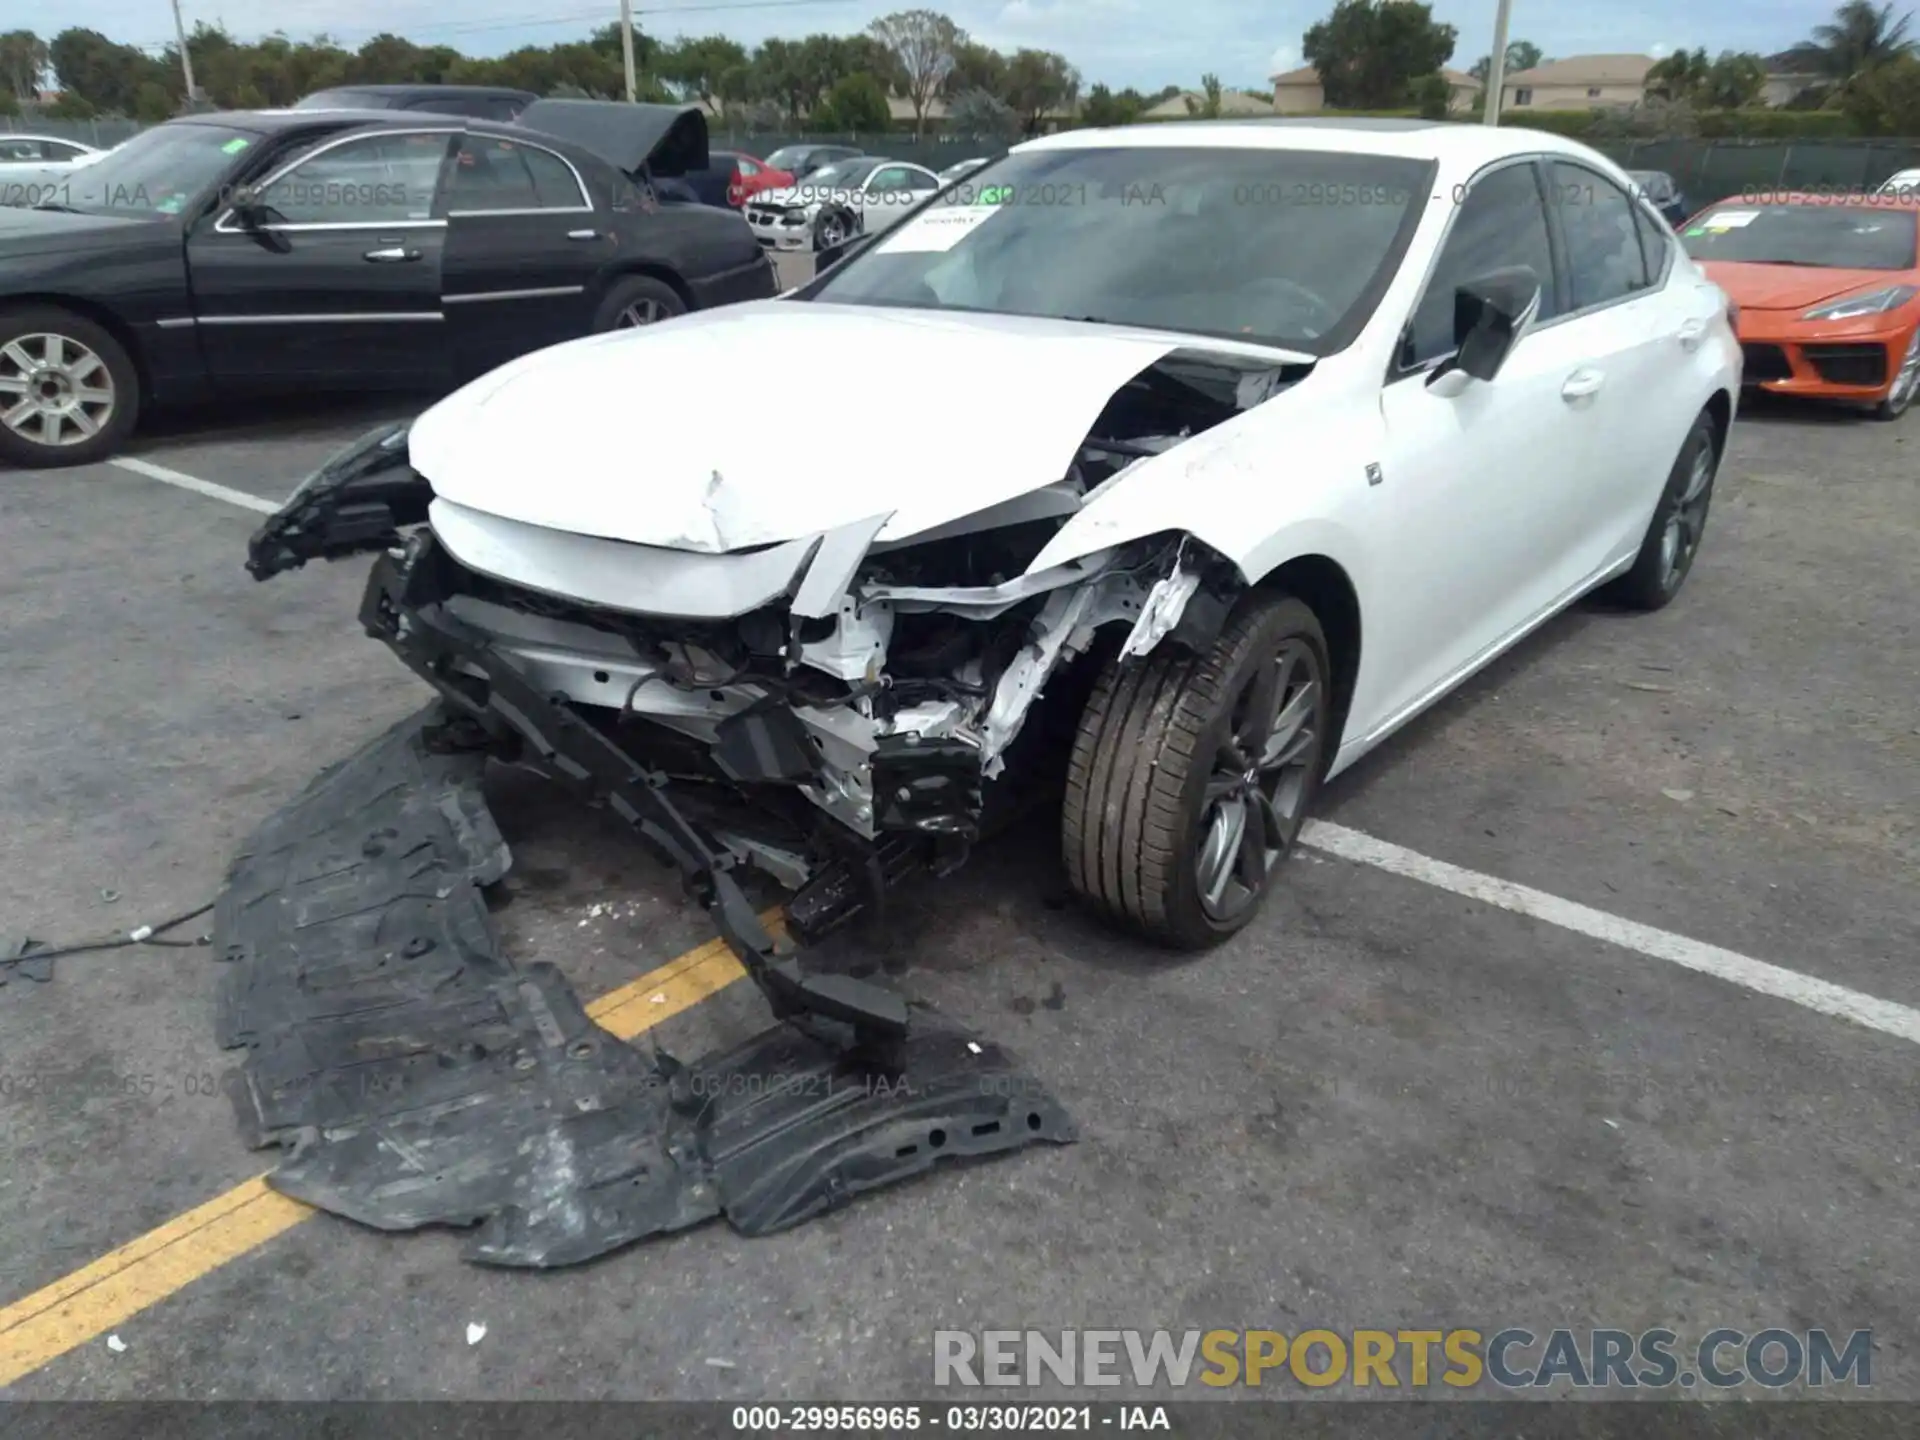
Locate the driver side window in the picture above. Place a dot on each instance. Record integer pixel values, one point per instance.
(1502, 222)
(886, 179)
(377, 179)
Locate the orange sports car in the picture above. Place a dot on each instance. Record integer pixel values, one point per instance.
(1827, 290)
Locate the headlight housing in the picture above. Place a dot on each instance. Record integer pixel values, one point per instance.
(1873, 302)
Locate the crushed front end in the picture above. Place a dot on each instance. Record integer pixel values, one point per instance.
(839, 711)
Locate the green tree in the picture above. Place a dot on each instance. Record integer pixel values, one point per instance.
(1039, 82)
(1736, 80)
(922, 43)
(23, 59)
(1207, 105)
(1521, 55)
(1859, 36)
(1103, 107)
(977, 67)
(857, 105)
(1432, 96)
(1885, 98)
(1368, 51)
(1679, 75)
(104, 75)
(697, 67)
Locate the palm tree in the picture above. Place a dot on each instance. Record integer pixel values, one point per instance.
(1860, 36)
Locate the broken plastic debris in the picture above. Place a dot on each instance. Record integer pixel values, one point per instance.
(475, 1334)
(1681, 795)
(1611, 1124)
(140, 934)
(973, 1047)
(109, 896)
(116, 1344)
(659, 998)
(719, 1364)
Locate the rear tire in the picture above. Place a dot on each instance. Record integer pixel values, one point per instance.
(1679, 522)
(1165, 761)
(69, 392)
(635, 301)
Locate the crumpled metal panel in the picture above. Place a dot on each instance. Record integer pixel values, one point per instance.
(422, 1078)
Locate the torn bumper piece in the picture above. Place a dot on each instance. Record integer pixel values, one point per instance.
(420, 1077)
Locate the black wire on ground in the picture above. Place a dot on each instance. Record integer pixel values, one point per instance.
(139, 935)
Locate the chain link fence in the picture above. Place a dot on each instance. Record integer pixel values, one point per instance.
(1706, 170)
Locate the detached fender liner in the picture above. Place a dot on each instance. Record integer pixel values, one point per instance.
(422, 1078)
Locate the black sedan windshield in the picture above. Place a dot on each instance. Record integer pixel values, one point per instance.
(158, 172)
(1288, 247)
(1843, 237)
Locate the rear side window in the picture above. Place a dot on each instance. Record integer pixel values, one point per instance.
(492, 174)
(1656, 243)
(1501, 223)
(1605, 261)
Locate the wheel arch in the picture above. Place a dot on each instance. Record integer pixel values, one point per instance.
(1323, 585)
(1719, 407)
(107, 319)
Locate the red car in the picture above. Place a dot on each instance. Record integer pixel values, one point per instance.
(750, 176)
(1828, 290)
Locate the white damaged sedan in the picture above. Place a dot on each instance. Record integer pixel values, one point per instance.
(1188, 463)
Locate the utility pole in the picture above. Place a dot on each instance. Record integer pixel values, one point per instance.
(186, 60)
(626, 47)
(1497, 65)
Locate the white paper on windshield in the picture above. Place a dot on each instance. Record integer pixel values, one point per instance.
(1731, 219)
(935, 231)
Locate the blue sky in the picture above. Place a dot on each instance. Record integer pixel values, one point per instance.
(1148, 43)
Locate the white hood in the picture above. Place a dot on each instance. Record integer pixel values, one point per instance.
(660, 436)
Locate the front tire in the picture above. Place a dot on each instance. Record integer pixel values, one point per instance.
(69, 392)
(1679, 522)
(834, 228)
(1906, 384)
(1191, 775)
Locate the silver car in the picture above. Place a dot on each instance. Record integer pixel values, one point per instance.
(831, 206)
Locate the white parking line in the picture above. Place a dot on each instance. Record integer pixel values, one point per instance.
(1889, 1018)
(1827, 998)
(196, 485)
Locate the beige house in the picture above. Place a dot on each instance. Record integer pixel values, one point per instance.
(1232, 102)
(1298, 92)
(1788, 79)
(1580, 82)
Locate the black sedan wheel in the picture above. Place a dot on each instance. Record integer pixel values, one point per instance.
(68, 390)
(1191, 775)
(637, 300)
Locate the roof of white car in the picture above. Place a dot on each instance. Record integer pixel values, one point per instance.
(56, 139)
(1461, 143)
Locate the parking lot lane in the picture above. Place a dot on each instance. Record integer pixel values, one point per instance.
(1387, 1106)
(1743, 767)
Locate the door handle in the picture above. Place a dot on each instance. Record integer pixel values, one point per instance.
(392, 253)
(1581, 384)
(583, 234)
(1692, 333)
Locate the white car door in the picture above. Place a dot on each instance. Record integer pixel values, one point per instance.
(1634, 335)
(1481, 494)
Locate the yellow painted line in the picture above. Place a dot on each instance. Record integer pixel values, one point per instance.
(94, 1299)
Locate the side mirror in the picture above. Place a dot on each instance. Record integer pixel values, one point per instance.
(1490, 314)
(247, 206)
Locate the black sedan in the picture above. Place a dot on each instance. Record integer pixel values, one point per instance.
(233, 254)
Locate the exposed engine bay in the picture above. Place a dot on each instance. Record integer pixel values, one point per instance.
(837, 711)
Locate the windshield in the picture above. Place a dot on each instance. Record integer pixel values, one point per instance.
(1288, 247)
(1840, 237)
(161, 171)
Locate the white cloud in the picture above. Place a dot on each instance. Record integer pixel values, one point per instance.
(1283, 59)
